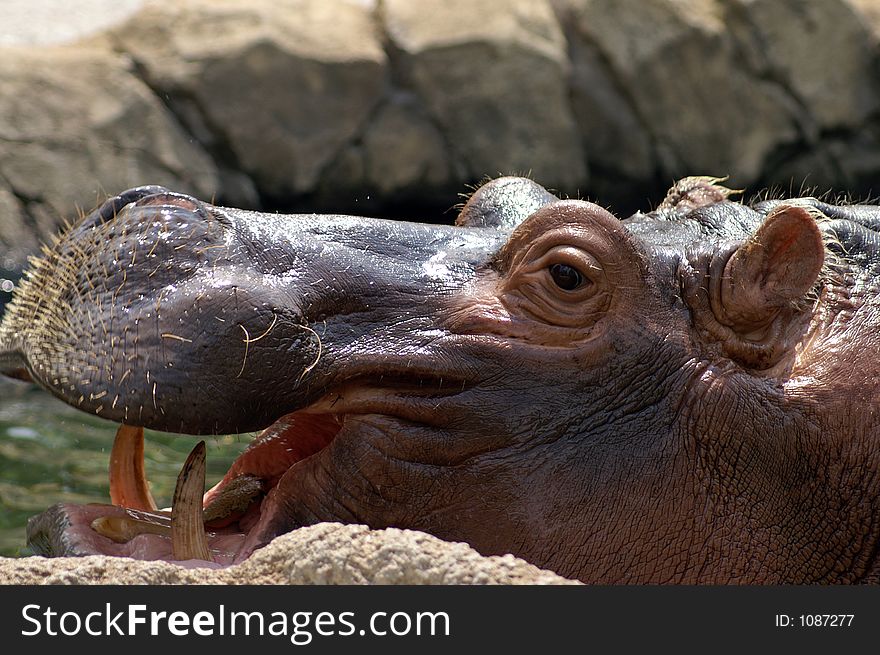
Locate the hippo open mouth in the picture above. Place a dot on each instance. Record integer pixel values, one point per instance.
(176, 265)
(236, 516)
(687, 395)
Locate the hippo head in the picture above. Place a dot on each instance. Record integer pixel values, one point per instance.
(682, 396)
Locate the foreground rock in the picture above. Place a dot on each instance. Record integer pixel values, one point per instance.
(327, 553)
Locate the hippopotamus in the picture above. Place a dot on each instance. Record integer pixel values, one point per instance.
(687, 395)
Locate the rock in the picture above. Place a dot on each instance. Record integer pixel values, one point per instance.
(684, 79)
(825, 54)
(395, 106)
(615, 137)
(75, 126)
(274, 88)
(401, 156)
(327, 553)
(493, 76)
(822, 52)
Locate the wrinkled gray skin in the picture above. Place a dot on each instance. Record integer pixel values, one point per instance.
(695, 403)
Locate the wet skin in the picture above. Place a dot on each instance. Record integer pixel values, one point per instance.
(684, 396)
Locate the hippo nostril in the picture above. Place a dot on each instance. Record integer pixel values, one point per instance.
(112, 206)
(166, 198)
(143, 196)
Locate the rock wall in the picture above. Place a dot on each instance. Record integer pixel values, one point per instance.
(391, 106)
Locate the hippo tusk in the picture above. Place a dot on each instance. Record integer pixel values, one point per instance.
(130, 489)
(233, 499)
(185, 526)
(188, 539)
(128, 483)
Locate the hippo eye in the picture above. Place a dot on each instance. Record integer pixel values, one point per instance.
(566, 277)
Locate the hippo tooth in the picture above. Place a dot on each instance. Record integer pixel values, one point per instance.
(128, 483)
(188, 538)
(123, 529)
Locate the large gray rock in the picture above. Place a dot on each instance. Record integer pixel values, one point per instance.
(274, 88)
(327, 553)
(683, 78)
(493, 76)
(825, 54)
(75, 126)
(822, 52)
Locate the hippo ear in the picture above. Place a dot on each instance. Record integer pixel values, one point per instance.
(775, 268)
(504, 203)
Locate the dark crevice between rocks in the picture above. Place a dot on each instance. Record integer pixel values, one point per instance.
(418, 202)
(608, 185)
(237, 188)
(844, 186)
(624, 196)
(437, 205)
(749, 46)
(789, 153)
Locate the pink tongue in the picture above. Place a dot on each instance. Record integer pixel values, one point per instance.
(287, 441)
(80, 535)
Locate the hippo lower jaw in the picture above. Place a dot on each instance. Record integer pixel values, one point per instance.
(242, 512)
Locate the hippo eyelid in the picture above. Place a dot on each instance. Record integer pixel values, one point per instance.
(578, 259)
(567, 277)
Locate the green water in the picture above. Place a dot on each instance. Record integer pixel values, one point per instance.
(50, 453)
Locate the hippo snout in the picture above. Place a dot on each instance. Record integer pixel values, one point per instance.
(145, 301)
